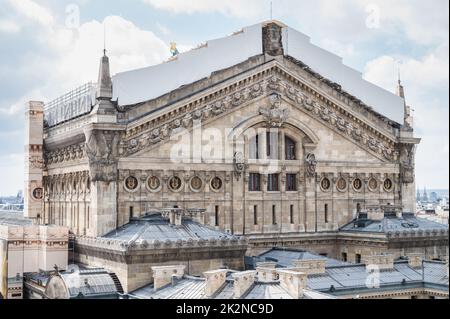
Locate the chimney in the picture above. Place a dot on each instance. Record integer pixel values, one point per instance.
(294, 282)
(243, 281)
(176, 216)
(214, 281)
(310, 266)
(34, 161)
(164, 275)
(383, 262)
(267, 271)
(415, 260)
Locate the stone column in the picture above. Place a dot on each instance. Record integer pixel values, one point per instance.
(34, 163)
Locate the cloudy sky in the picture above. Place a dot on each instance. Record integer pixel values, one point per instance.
(50, 46)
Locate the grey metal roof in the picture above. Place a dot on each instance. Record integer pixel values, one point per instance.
(14, 219)
(393, 224)
(89, 283)
(186, 288)
(158, 228)
(285, 257)
(355, 276)
(267, 291)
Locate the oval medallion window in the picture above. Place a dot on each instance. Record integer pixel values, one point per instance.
(131, 183)
(342, 184)
(38, 193)
(175, 183)
(357, 184)
(388, 185)
(154, 183)
(325, 184)
(196, 183)
(216, 184)
(373, 184)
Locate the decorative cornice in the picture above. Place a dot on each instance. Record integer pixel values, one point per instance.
(265, 83)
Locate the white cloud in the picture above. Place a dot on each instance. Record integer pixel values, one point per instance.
(76, 54)
(33, 11)
(424, 22)
(236, 8)
(426, 82)
(9, 26)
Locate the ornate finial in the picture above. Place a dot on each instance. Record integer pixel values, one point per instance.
(274, 115)
(173, 49)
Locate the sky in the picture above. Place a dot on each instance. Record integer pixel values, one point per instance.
(48, 47)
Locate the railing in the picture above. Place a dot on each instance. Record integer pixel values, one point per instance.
(71, 105)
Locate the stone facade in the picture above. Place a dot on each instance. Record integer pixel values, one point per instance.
(294, 158)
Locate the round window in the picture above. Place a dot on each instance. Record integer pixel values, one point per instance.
(388, 185)
(38, 193)
(154, 183)
(131, 183)
(325, 184)
(196, 183)
(357, 184)
(175, 183)
(216, 183)
(373, 184)
(342, 184)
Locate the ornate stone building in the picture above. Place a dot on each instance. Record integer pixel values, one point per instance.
(273, 137)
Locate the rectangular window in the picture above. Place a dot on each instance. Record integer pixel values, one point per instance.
(274, 215)
(292, 214)
(273, 183)
(326, 213)
(217, 215)
(358, 258)
(290, 149)
(131, 212)
(254, 182)
(255, 215)
(291, 182)
(254, 148)
(344, 257)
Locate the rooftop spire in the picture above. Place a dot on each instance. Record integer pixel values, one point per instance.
(104, 85)
(400, 88)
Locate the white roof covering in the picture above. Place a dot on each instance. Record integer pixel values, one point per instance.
(330, 66)
(149, 83)
(146, 84)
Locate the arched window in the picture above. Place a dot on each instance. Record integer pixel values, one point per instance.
(290, 149)
(254, 148)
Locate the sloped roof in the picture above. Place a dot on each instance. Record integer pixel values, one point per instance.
(158, 228)
(149, 83)
(394, 224)
(285, 257)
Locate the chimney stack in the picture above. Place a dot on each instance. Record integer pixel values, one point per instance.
(243, 281)
(164, 275)
(310, 266)
(293, 282)
(214, 281)
(383, 262)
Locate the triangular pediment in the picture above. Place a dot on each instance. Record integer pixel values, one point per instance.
(354, 122)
